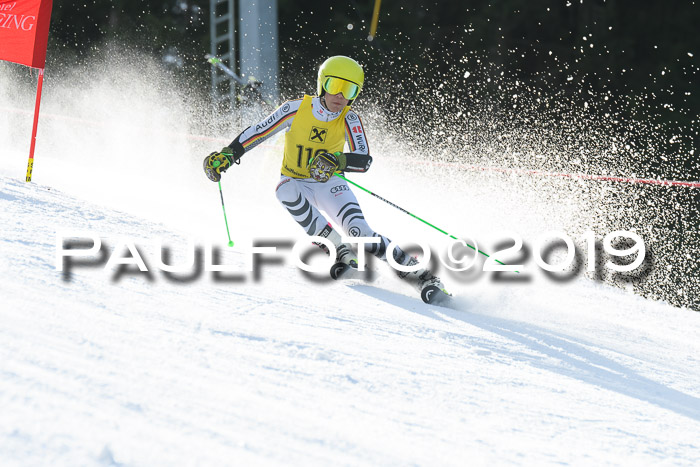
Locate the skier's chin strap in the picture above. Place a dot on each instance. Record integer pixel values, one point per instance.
(323, 102)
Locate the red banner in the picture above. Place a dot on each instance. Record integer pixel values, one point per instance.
(24, 31)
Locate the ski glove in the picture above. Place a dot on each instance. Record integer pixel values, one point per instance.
(218, 162)
(323, 166)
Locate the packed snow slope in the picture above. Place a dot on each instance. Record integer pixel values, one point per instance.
(107, 367)
(103, 365)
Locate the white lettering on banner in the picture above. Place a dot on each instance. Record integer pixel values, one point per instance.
(28, 26)
(25, 23)
(8, 6)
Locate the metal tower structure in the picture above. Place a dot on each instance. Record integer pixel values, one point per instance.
(222, 36)
(244, 51)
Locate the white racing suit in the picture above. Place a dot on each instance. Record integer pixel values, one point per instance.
(305, 198)
(311, 129)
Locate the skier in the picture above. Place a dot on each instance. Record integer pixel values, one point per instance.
(317, 129)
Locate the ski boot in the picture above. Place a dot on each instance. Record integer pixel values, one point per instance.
(430, 286)
(345, 260)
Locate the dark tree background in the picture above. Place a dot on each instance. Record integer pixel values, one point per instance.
(588, 71)
(622, 48)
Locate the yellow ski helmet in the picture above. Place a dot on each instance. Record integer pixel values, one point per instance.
(341, 74)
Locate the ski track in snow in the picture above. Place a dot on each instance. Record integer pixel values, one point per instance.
(121, 370)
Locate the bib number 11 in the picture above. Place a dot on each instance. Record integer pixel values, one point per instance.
(309, 152)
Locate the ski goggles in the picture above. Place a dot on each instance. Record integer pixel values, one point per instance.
(334, 85)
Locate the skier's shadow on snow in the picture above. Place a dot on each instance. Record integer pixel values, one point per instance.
(574, 359)
(402, 301)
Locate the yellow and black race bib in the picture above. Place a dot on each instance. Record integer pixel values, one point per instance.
(308, 137)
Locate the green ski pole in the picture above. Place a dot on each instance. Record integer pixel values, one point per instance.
(414, 216)
(230, 242)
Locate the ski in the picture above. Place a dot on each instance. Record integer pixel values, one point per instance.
(342, 271)
(430, 294)
(434, 295)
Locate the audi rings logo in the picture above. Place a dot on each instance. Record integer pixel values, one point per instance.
(339, 188)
